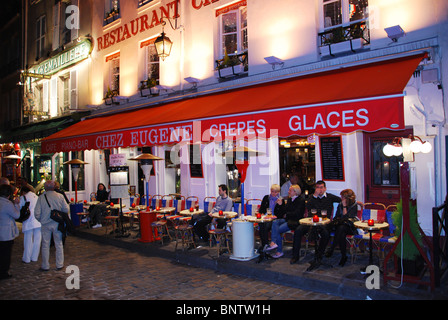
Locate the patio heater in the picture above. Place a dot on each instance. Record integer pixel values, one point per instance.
(75, 165)
(146, 218)
(14, 157)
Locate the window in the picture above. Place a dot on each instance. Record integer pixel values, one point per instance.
(111, 11)
(114, 81)
(152, 63)
(233, 31)
(64, 94)
(342, 12)
(40, 36)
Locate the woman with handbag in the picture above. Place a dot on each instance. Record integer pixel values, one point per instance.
(31, 228)
(342, 223)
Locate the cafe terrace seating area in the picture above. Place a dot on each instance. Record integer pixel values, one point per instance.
(170, 223)
(173, 237)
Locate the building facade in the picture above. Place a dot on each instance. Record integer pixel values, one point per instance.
(318, 87)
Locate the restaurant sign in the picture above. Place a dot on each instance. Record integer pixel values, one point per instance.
(365, 115)
(64, 59)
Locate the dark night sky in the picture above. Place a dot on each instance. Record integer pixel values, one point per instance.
(9, 9)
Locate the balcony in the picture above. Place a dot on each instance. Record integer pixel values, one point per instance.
(338, 40)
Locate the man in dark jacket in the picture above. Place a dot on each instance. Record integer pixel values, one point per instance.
(320, 200)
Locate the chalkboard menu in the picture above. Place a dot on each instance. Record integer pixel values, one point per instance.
(196, 161)
(332, 158)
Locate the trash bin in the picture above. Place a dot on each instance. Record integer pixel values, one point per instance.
(243, 241)
(146, 219)
(75, 208)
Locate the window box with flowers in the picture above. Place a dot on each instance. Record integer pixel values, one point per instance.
(111, 97)
(148, 88)
(111, 16)
(233, 65)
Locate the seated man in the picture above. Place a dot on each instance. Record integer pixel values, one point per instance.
(224, 203)
(321, 200)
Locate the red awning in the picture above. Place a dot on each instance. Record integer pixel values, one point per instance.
(367, 97)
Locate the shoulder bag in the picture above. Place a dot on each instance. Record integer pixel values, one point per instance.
(55, 215)
(24, 211)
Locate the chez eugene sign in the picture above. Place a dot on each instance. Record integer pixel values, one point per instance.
(152, 19)
(370, 115)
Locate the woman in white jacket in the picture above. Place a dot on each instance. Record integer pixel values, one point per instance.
(31, 228)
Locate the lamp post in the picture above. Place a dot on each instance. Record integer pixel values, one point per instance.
(146, 217)
(75, 165)
(242, 155)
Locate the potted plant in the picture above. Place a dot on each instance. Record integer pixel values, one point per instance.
(413, 262)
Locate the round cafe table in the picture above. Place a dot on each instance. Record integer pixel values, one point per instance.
(225, 215)
(365, 226)
(187, 212)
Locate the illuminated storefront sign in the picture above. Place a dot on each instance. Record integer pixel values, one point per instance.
(65, 59)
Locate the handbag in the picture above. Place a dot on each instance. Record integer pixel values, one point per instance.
(24, 212)
(55, 215)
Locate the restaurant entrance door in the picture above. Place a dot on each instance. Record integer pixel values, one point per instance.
(382, 174)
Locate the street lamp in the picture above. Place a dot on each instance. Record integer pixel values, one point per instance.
(75, 165)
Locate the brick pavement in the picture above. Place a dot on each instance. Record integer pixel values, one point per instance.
(112, 273)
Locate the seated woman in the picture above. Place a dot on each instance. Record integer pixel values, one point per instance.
(270, 201)
(342, 223)
(97, 211)
(293, 211)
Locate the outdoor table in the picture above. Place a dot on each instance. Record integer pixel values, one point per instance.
(314, 225)
(225, 215)
(165, 210)
(377, 226)
(187, 212)
(263, 219)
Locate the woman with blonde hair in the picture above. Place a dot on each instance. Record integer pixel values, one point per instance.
(342, 223)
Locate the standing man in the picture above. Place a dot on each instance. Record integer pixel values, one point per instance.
(42, 213)
(224, 203)
(320, 200)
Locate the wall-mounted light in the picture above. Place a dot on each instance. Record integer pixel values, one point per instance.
(274, 61)
(398, 147)
(163, 44)
(193, 81)
(394, 32)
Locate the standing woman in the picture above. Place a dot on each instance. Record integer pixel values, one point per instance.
(31, 228)
(9, 211)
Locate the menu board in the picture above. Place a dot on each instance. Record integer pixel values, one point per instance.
(332, 158)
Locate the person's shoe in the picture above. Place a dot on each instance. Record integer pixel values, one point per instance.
(59, 269)
(293, 260)
(343, 261)
(85, 220)
(277, 255)
(43, 270)
(98, 225)
(314, 265)
(271, 247)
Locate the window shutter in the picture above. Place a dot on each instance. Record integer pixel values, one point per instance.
(73, 89)
(56, 21)
(45, 97)
(74, 32)
(54, 97)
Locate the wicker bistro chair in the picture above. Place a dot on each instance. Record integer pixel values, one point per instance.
(191, 201)
(160, 229)
(111, 218)
(156, 201)
(220, 237)
(379, 215)
(184, 234)
(209, 203)
(238, 207)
